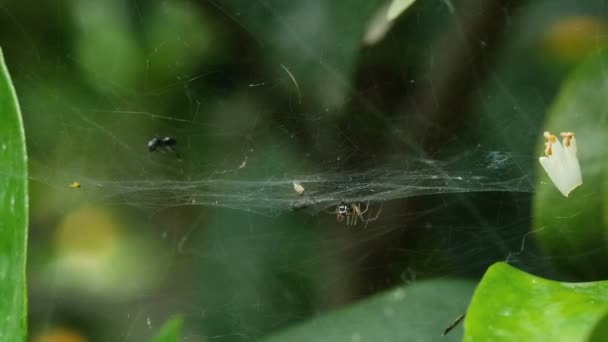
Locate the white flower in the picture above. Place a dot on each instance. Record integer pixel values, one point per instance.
(561, 163)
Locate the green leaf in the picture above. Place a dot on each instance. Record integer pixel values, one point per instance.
(13, 213)
(397, 7)
(572, 230)
(171, 331)
(420, 312)
(511, 305)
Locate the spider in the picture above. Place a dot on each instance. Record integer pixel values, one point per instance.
(353, 213)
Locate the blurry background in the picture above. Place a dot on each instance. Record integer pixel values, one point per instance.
(269, 91)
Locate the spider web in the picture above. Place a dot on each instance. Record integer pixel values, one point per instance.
(477, 171)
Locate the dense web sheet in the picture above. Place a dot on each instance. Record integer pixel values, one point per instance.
(480, 171)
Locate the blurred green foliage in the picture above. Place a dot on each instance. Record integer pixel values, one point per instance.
(397, 7)
(170, 331)
(399, 314)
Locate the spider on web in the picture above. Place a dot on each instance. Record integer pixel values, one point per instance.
(353, 212)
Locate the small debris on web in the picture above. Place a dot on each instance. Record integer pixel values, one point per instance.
(560, 162)
(244, 162)
(298, 188)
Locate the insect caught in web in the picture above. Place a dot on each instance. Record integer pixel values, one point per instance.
(163, 144)
(353, 212)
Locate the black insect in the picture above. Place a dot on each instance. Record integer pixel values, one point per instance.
(162, 144)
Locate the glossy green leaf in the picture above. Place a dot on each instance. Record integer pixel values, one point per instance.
(572, 230)
(13, 213)
(171, 331)
(420, 312)
(511, 305)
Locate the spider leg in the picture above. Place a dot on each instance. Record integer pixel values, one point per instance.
(366, 208)
(375, 217)
(358, 214)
